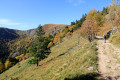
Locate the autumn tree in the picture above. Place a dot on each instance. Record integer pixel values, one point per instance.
(117, 17)
(90, 27)
(56, 38)
(91, 15)
(112, 13)
(66, 30)
(99, 19)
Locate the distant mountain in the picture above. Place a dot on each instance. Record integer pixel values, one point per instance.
(16, 36)
(6, 33)
(11, 34)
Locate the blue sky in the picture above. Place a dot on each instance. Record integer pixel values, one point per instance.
(28, 14)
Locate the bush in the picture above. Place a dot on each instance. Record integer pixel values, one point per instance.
(50, 45)
(8, 64)
(2, 67)
(13, 60)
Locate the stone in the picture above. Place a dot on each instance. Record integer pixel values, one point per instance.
(82, 47)
(90, 68)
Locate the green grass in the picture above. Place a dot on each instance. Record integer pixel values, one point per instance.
(115, 39)
(66, 61)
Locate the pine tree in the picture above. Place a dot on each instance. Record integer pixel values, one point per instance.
(39, 49)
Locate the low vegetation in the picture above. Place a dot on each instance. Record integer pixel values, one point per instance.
(67, 60)
(115, 39)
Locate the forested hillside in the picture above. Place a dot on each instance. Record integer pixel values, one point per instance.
(16, 42)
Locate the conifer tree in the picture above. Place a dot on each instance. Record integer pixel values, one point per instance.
(39, 49)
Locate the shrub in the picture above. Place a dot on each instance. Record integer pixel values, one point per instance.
(2, 67)
(50, 45)
(8, 64)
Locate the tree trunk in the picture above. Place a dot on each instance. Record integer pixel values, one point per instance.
(37, 62)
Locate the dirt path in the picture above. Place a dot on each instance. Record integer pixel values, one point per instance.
(109, 60)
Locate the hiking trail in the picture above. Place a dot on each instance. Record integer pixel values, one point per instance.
(108, 60)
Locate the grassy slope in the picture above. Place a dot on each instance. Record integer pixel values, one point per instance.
(67, 60)
(115, 39)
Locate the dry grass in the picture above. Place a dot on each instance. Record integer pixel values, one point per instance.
(115, 39)
(66, 60)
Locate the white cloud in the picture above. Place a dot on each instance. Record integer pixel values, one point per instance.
(8, 22)
(15, 25)
(76, 2)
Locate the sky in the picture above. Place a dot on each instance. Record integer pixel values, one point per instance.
(28, 14)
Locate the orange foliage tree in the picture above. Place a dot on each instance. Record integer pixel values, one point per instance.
(57, 37)
(90, 27)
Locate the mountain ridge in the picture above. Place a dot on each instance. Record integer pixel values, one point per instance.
(17, 33)
(10, 37)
